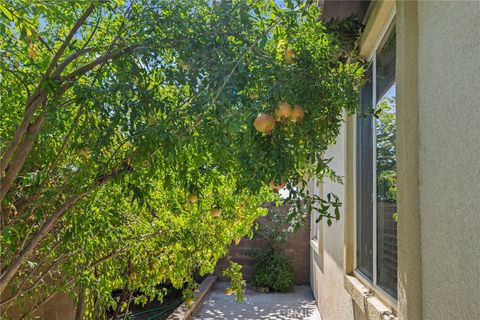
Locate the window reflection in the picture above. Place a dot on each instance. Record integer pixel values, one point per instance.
(364, 219)
(386, 181)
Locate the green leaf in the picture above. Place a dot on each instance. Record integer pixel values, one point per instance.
(6, 12)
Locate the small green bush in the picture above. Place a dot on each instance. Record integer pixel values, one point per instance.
(272, 270)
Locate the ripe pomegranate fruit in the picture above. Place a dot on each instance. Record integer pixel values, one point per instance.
(283, 110)
(297, 114)
(277, 187)
(264, 123)
(192, 198)
(216, 212)
(289, 56)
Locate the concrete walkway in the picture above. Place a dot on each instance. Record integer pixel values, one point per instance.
(297, 304)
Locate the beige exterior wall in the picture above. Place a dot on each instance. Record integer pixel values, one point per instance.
(333, 300)
(449, 157)
(408, 196)
(438, 65)
(438, 132)
(59, 307)
(340, 295)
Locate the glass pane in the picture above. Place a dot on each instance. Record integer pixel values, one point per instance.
(364, 217)
(385, 76)
(385, 126)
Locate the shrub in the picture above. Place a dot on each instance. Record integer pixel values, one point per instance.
(272, 270)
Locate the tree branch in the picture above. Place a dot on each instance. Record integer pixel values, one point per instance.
(113, 55)
(23, 151)
(70, 35)
(50, 223)
(80, 304)
(37, 282)
(33, 102)
(68, 60)
(93, 265)
(40, 95)
(37, 237)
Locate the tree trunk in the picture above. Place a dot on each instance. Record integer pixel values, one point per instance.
(21, 155)
(80, 304)
(50, 222)
(33, 102)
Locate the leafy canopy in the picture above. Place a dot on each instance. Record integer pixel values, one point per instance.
(115, 112)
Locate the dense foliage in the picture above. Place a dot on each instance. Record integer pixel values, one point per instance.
(272, 270)
(129, 155)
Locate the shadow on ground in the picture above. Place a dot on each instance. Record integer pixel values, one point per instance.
(297, 304)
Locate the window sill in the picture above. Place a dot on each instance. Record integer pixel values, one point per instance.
(367, 300)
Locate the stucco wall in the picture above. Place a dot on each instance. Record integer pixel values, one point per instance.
(408, 196)
(438, 91)
(449, 157)
(333, 300)
(60, 306)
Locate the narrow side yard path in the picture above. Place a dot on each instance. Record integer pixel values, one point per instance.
(297, 304)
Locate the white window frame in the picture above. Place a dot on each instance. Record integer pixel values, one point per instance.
(372, 285)
(315, 232)
(316, 229)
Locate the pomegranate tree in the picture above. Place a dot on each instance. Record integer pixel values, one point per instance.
(140, 139)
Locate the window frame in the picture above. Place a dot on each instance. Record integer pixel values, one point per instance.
(372, 285)
(316, 228)
(315, 233)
